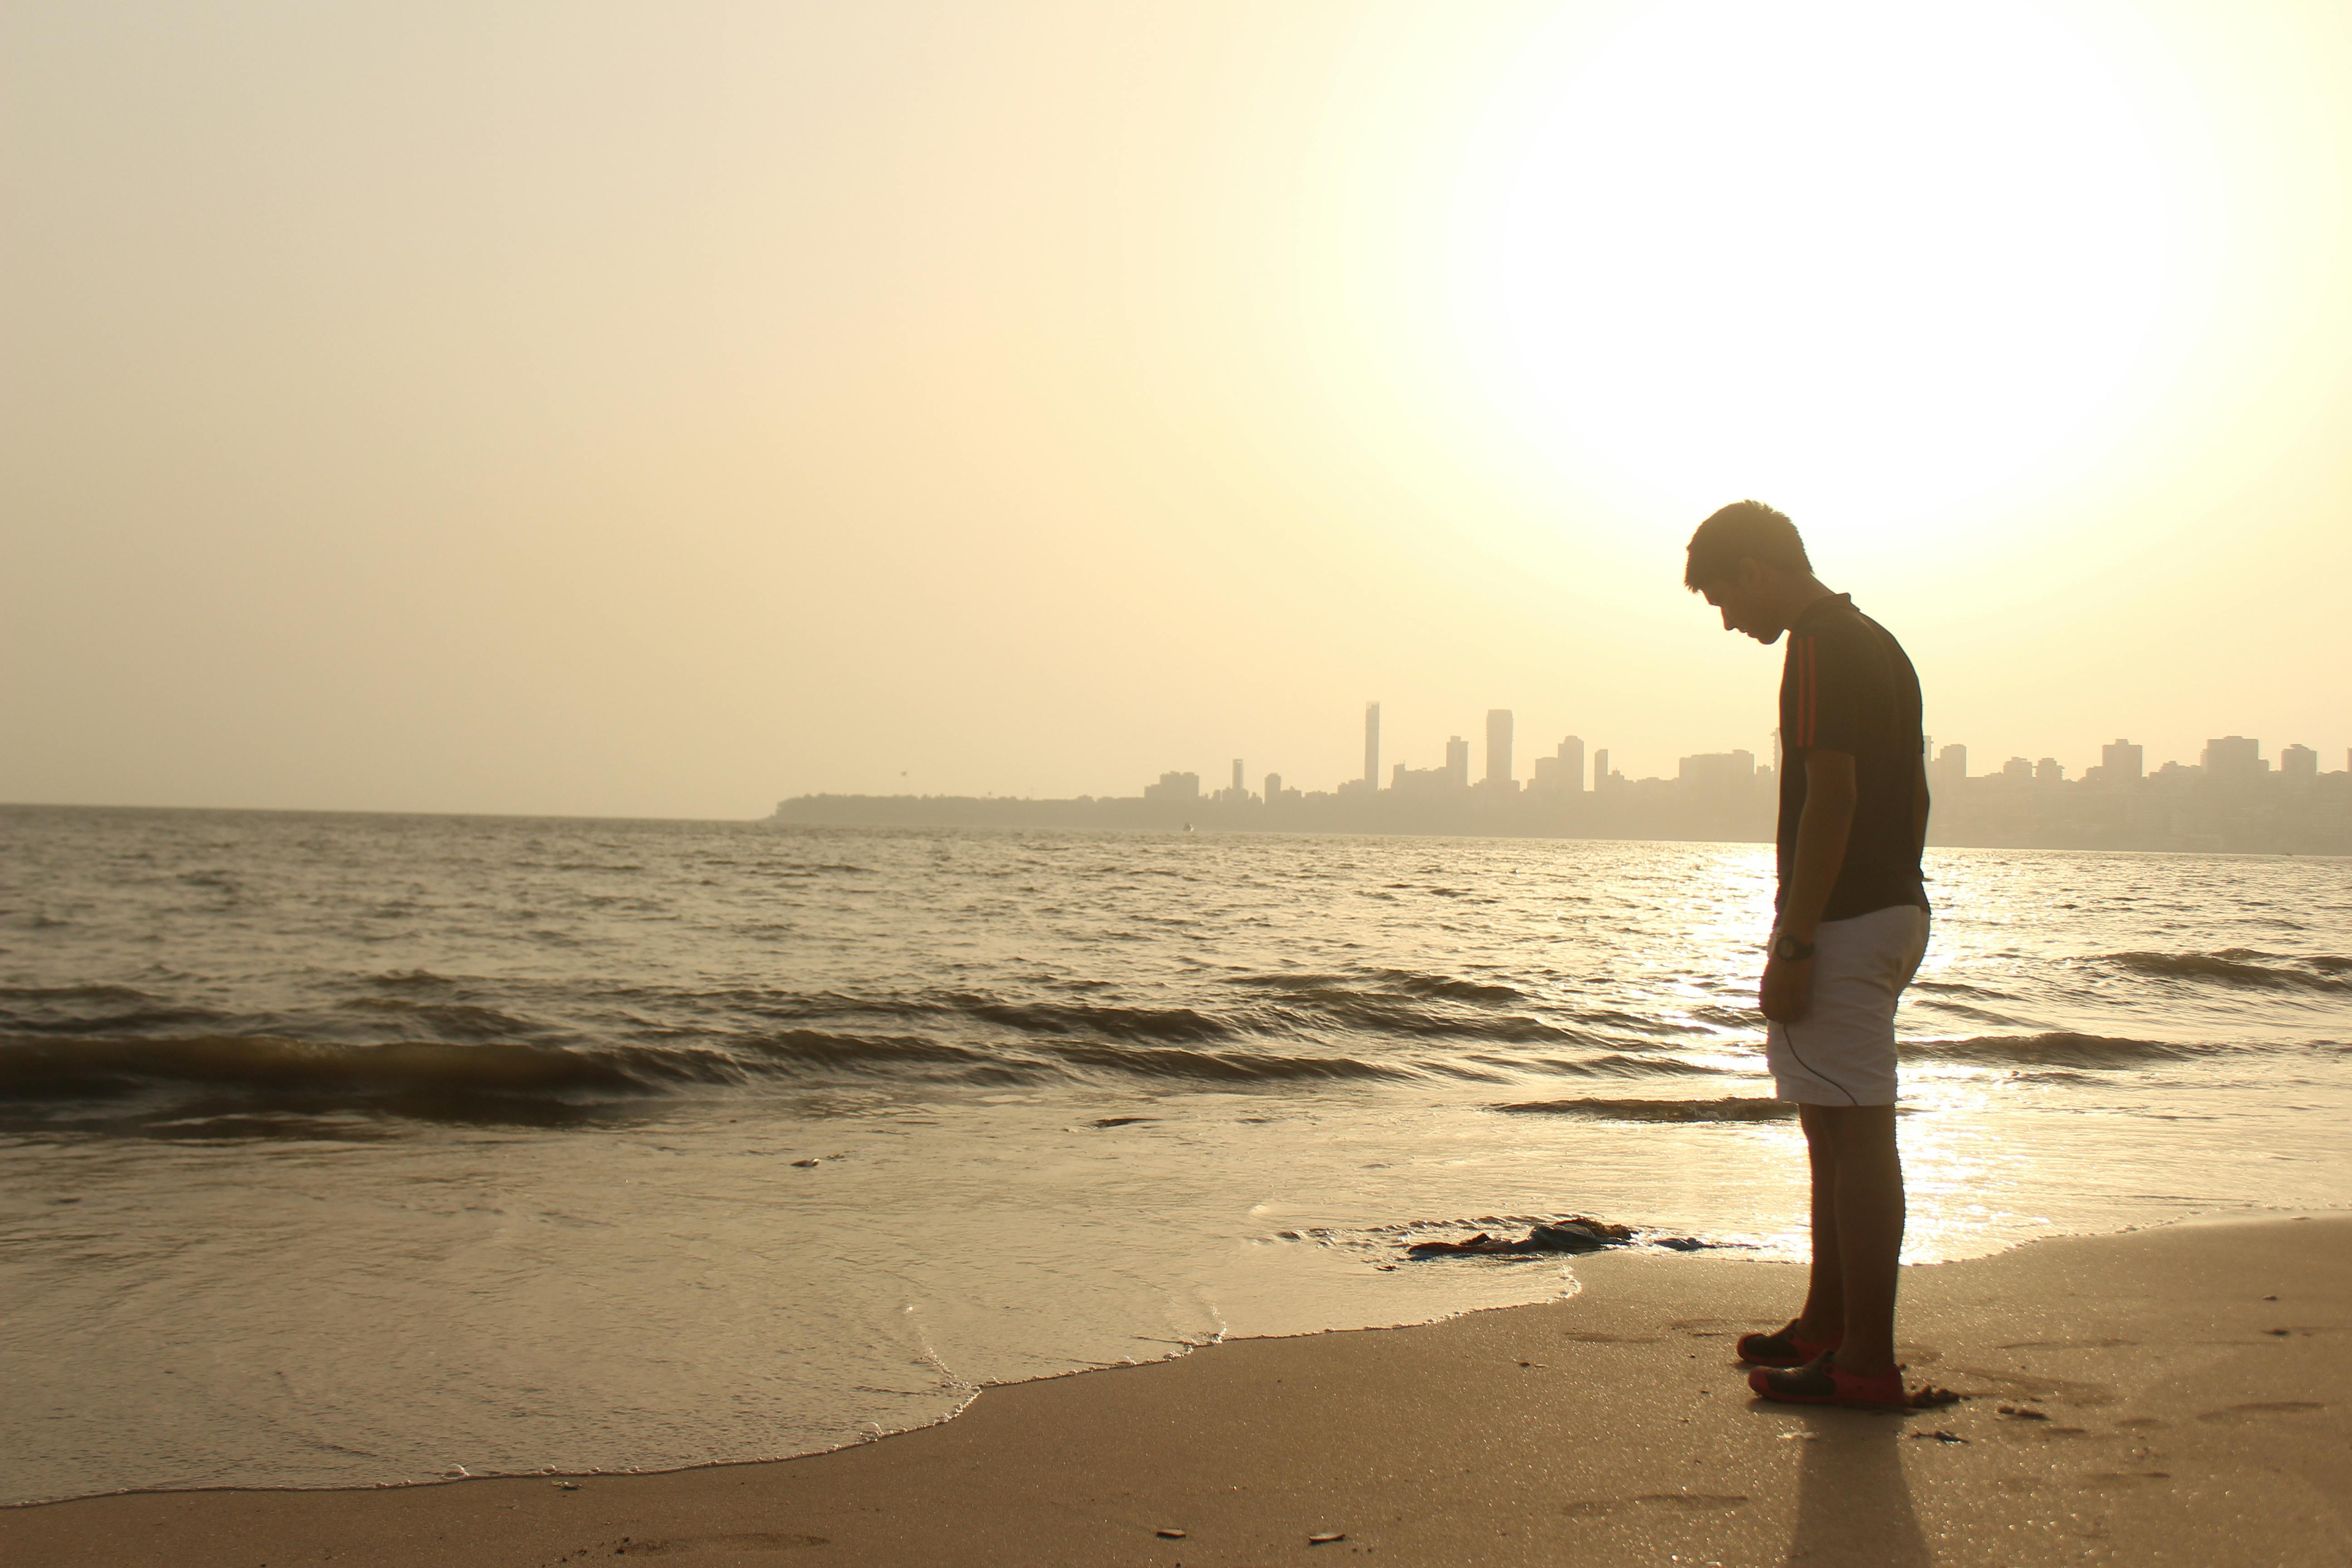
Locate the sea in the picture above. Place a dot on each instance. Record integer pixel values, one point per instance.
(343, 1150)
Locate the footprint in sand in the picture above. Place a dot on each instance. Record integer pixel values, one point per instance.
(1600, 1339)
(2081, 1396)
(2122, 1480)
(2256, 1410)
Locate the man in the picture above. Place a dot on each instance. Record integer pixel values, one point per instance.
(1852, 925)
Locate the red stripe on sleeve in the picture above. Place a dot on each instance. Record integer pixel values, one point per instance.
(1805, 692)
(1812, 691)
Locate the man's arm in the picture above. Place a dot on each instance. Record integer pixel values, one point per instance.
(1919, 804)
(1822, 833)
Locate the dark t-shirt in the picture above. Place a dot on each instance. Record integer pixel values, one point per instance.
(1848, 687)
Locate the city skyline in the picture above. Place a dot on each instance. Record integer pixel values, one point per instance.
(1563, 769)
(2233, 799)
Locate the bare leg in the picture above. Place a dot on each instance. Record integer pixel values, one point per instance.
(1824, 1314)
(1869, 1227)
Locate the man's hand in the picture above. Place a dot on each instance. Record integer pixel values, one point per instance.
(1786, 993)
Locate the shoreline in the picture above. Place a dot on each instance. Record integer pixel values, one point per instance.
(2161, 1406)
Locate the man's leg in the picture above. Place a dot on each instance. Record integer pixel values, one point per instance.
(1823, 1319)
(1869, 1208)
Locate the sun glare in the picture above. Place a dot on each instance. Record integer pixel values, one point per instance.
(1873, 261)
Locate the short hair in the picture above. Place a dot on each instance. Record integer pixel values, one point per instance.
(1744, 531)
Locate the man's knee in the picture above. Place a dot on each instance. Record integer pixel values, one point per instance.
(1848, 1131)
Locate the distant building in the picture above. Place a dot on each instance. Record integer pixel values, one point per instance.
(1500, 775)
(1951, 768)
(1457, 760)
(2120, 761)
(1601, 770)
(1371, 745)
(1405, 781)
(2299, 765)
(1273, 788)
(1718, 771)
(2233, 759)
(2017, 769)
(2048, 772)
(1239, 787)
(1563, 772)
(1176, 788)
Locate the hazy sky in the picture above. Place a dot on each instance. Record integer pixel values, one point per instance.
(661, 409)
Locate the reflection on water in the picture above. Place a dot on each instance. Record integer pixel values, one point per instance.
(344, 1149)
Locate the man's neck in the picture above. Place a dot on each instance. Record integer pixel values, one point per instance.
(1804, 593)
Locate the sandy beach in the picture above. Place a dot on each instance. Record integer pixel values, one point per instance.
(2166, 1396)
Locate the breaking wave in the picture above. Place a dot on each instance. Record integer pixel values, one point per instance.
(2240, 966)
(2058, 1048)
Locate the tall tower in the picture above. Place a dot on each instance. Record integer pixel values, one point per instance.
(1498, 749)
(1457, 761)
(1371, 745)
(1572, 764)
(1240, 789)
(1601, 770)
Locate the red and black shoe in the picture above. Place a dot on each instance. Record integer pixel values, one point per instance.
(1823, 1382)
(1784, 1348)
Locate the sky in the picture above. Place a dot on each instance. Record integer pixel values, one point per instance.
(615, 409)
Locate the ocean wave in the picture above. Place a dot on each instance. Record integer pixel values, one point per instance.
(1226, 1066)
(1617, 1064)
(2057, 1048)
(2243, 967)
(863, 1053)
(1072, 1018)
(98, 1009)
(1319, 1013)
(446, 1021)
(313, 1072)
(1448, 987)
(1736, 1108)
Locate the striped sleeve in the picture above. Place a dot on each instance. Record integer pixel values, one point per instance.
(1826, 707)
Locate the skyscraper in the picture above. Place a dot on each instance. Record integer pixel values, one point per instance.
(1563, 772)
(1239, 788)
(2121, 761)
(1498, 749)
(1601, 770)
(1371, 745)
(1457, 761)
(2235, 759)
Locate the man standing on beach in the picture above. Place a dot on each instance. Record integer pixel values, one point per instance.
(1851, 928)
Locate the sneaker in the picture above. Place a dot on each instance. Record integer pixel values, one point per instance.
(1823, 1382)
(1783, 1348)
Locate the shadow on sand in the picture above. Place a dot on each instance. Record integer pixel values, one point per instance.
(1854, 1504)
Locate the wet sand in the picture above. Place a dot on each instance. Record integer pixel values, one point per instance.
(2175, 1395)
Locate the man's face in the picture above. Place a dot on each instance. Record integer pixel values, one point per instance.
(1746, 604)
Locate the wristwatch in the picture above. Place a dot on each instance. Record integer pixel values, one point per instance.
(1787, 949)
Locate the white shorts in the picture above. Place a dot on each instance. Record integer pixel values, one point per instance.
(1842, 1052)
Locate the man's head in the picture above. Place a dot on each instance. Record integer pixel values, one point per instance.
(1750, 563)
